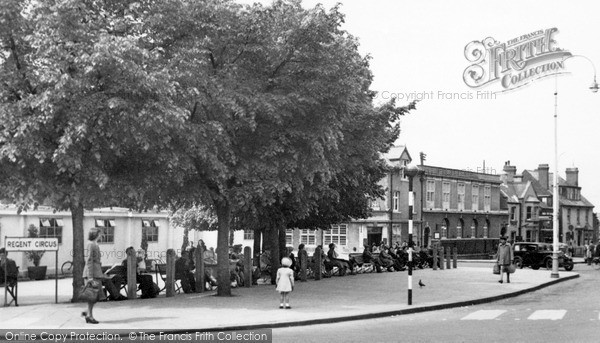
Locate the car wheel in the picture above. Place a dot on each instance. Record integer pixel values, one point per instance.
(548, 263)
(519, 262)
(568, 266)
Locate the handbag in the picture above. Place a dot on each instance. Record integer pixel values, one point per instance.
(511, 268)
(89, 292)
(496, 268)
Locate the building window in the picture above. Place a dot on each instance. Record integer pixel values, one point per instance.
(404, 164)
(150, 229)
(512, 213)
(248, 234)
(587, 216)
(475, 198)
(308, 237)
(446, 195)
(374, 204)
(461, 196)
(569, 216)
(108, 229)
(337, 234)
(430, 193)
(578, 220)
(51, 228)
(396, 201)
(528, 215)
(487, 198)
(289, 237)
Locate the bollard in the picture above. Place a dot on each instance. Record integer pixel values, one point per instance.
(455, 257)
(199, 272)
(170, 283)
(317, 263)
(131, 274)
(435, 258)
(247, 267)
(441, 253)
(448, 258)
(303, 257)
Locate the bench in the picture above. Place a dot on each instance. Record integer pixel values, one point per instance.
(365, 267)
(12, 288)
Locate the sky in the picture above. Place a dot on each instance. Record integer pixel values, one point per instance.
(418, 49)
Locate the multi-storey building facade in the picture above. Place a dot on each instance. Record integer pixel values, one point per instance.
(530, 197)
(459, 204)
(449, 204)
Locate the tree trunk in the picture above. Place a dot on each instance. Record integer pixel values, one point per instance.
(223, 277)
(186, 241)
(282, 242)
(78, 245)
(256, 248)
(273, 233)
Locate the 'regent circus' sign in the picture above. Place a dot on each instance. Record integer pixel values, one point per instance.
(30, 244)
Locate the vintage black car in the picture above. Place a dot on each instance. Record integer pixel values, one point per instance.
(536, 255)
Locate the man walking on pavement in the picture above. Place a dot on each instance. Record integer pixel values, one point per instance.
(505, 258)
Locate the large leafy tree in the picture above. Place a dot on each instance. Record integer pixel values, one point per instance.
(83, 108)
(270, 92)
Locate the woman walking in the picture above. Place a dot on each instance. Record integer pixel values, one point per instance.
(505, 258)
(92, 273)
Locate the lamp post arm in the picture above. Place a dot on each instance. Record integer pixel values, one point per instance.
(594, 87)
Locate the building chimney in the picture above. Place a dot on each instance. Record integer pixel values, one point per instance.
(509, 172)
(572, 176)
(543, 175)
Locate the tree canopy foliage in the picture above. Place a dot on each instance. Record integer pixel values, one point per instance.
(263, 114)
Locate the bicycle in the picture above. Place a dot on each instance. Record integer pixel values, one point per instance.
(67, 268)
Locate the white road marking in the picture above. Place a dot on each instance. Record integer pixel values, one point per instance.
(484, 315)
(547, 315)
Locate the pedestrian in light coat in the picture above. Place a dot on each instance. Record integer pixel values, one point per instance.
(505, 258)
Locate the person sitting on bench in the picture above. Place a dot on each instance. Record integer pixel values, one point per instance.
(341, 263)
(368, 258)
(145, 280)
(9, 266)
(385, 259)
(183, 271)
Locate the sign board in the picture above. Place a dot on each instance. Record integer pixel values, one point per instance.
(33, 244)
(30, 244)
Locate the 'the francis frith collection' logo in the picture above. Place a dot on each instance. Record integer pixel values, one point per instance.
(514, 63)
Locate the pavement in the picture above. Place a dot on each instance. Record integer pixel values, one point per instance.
(328, 300)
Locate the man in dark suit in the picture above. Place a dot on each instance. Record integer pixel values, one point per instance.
(9, 266)
(183, 271)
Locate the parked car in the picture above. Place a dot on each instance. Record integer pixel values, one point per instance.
(536, 255)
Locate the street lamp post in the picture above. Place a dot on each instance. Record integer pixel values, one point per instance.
(555, 203)
(411, 171)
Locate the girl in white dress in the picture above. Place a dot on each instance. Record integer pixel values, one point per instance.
(285, 282)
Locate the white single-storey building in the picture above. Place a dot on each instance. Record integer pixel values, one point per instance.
(122, 228)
